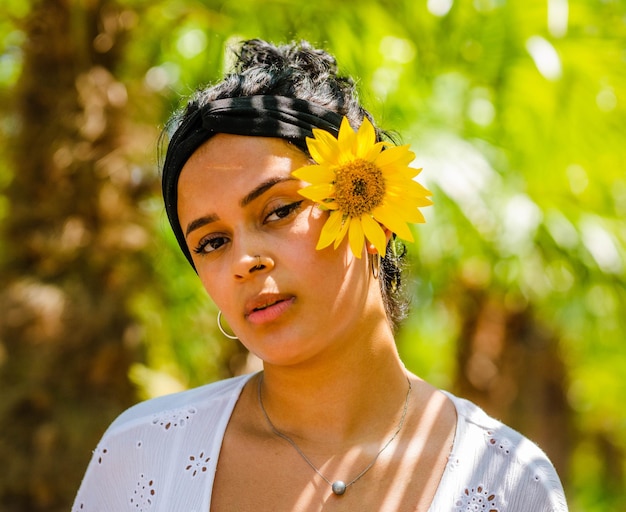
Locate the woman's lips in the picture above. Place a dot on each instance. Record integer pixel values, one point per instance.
(268, 309)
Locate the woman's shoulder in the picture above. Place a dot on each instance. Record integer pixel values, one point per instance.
(476, 425)
(492, 460)
(156, 444)
(177, 408)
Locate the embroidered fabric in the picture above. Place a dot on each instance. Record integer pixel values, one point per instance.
(477, 499)
(161, 455)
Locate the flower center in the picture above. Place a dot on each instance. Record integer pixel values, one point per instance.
(359, 187)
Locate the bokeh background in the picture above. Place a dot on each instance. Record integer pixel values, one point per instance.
(516, 110)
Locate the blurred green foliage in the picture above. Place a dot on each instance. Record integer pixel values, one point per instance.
(517, 112)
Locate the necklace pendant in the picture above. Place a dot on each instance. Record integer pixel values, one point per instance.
(338, 487)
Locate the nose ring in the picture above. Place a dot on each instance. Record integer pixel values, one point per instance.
(258, 262)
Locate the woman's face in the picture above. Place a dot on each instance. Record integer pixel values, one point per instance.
(236, 200)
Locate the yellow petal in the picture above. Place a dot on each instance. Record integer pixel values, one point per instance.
(417, 188)
(317, 193)
(331, 229)
(373, 152)
(314, 174)
(402, 209)
(387, 218)
(407, 190)
(374, 233)
(399, 156)
(365, 138)
(344, 229)
(412, 172)
(402, 178)
(345, 139)
(406, 203)
(324, 148)
(356, 237)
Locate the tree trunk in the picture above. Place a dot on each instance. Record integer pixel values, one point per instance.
(510, 365)
(71, 255)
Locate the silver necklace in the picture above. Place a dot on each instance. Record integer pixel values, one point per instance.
(338, 486)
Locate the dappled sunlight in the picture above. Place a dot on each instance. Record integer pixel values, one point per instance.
(405, 476)
(426, 448)
(464, 175)
(545, 56)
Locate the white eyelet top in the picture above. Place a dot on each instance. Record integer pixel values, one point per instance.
(161, 456)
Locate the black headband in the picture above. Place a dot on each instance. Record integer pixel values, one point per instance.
(262, 116)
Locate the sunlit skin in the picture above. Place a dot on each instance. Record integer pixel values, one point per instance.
(332, 376)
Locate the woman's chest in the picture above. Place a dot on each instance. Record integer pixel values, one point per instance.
(268, 474)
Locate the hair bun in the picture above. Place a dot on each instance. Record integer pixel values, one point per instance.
(315, 63)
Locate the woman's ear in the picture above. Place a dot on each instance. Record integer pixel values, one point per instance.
(371, 248)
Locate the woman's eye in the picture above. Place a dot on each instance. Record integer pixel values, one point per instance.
(283, 211)
(210, 244)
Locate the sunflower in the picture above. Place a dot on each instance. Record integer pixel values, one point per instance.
(367, 186)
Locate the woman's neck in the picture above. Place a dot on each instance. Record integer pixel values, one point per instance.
(339, 399)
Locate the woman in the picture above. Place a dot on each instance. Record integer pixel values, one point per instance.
(287, 203)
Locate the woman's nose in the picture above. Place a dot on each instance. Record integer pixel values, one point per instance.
(251, 264)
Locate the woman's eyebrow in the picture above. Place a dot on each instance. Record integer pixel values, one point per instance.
(247, 199)
(199, 222)
(262, 188)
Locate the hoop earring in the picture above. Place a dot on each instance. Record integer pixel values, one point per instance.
(219, 325)
(375, 265)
